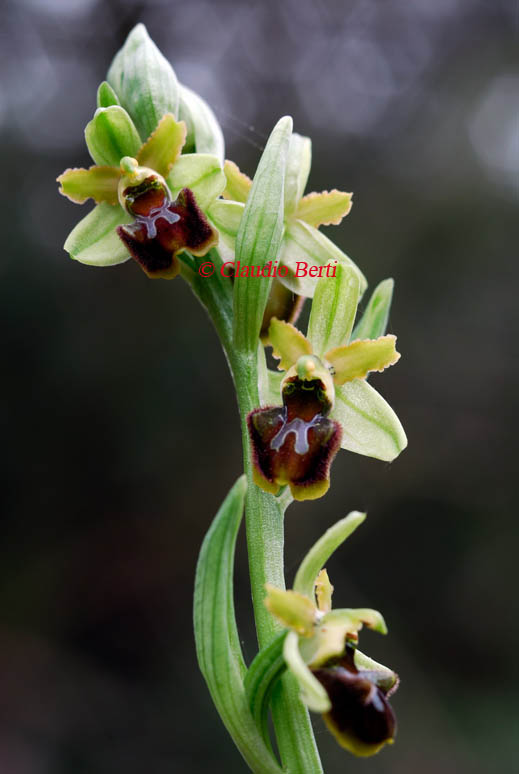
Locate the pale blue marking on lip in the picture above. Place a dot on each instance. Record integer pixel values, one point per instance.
(300, 429)
(150, 221)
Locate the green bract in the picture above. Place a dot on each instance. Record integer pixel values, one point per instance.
(217, 641)
(302, 242)
(259, 235)
(144, 81)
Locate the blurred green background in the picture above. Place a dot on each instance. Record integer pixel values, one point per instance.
(119, 425)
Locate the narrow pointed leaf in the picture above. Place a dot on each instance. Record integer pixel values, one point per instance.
(97, 183)
(238, 183)
(312, 692)
(356, 360)
(321, 551)
(262, 676)
(299, 162)
(144, 81)
(110, 135)
(259, 236)
(94, 240)
(201, 173)
(163, 146)
(334, 306)
(369, 424)
(327, 208)
(288, 343)
(304, 244)
(217, 640)
(204, 131)
(373, 322)
(106, 96)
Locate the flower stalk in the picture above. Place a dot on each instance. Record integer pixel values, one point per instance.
(165, 198)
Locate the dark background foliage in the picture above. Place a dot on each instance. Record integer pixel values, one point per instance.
(119, 426)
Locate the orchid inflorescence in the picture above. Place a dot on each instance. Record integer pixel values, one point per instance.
(165, 197)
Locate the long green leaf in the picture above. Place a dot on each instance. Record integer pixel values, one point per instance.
(217, 641)
(144, 81)
(259, 236)
(263, 674)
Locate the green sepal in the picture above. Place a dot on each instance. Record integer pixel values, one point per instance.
(321, 551)
(217, 640)
(204, 133)
(144, 81)
(304, 243)
(334, 306)
(312, 692)
(261, 677)
(106, 96)
(373, 322)
(226, 216)
(201, 173)
(259, 236)
(299, 161)
(110, 135)
(370, 426)
(382, 675)
(94, 240)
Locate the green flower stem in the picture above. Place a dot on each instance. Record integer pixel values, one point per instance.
(265, 531)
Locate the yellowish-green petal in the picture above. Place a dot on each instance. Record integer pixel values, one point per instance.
(356, 360)
(356, 618)
(238, 183)
(97, 183)
(288, 343)
(163, 146)
(327, 208)
(293, 610)
(323, 592)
